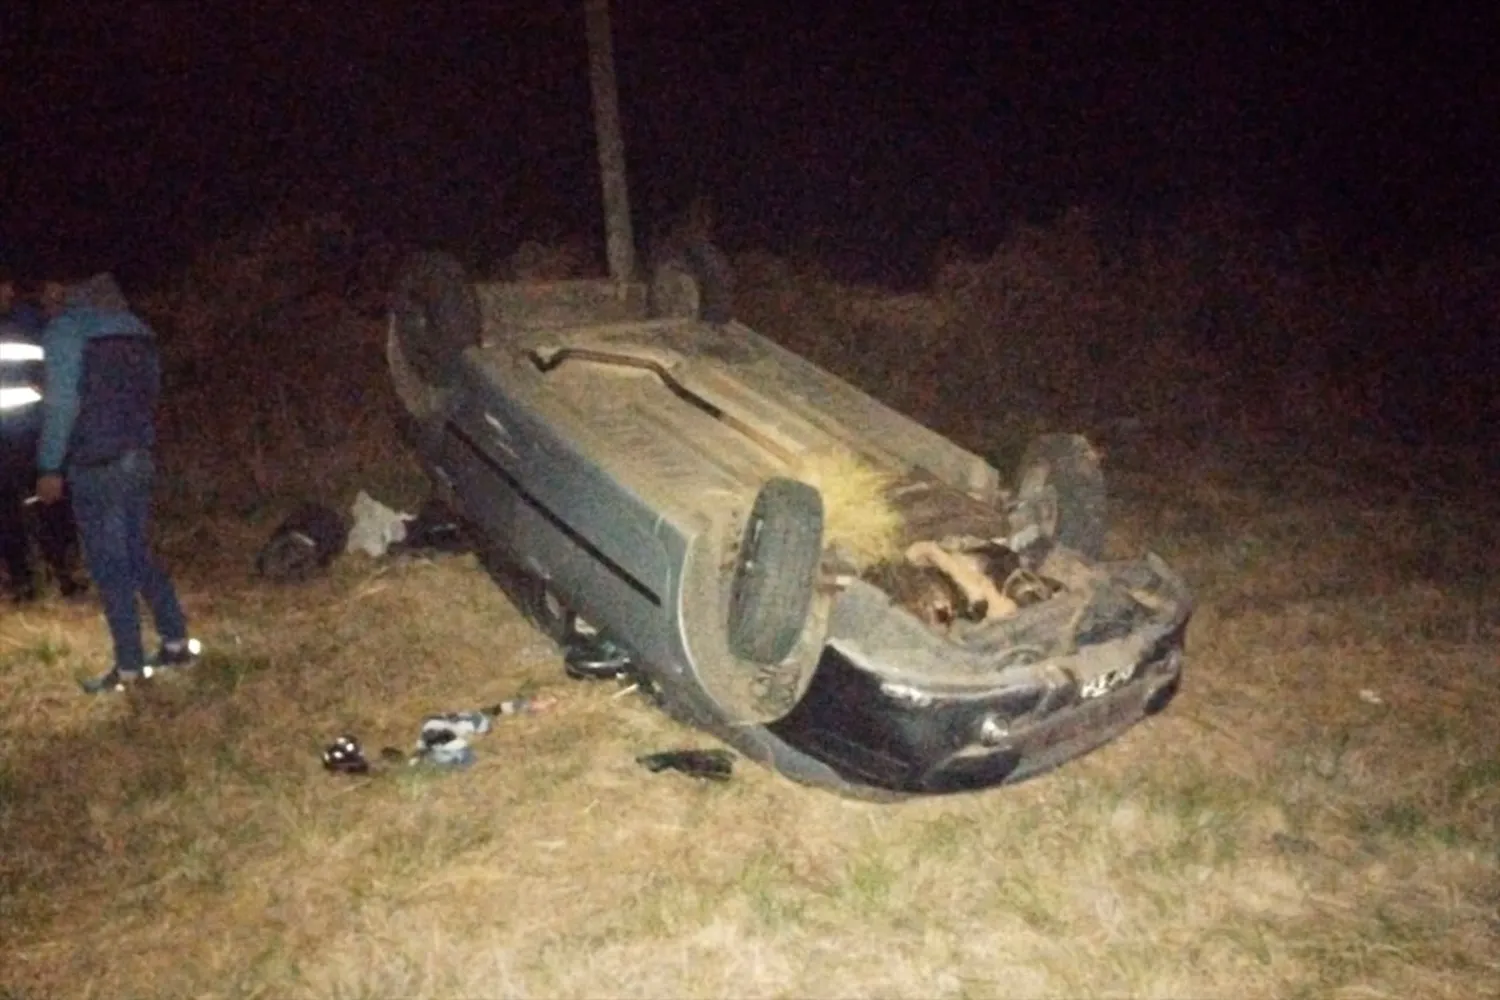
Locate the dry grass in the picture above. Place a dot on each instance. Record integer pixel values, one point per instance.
(1315, 816)
(1275, 834)
(859, 520)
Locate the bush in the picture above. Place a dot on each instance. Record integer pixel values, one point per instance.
(1207, 328)
(274, 378)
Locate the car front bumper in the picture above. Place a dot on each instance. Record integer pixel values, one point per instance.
(904, 739)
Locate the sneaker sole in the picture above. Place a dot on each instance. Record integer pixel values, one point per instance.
(193, 654)
(106, 685)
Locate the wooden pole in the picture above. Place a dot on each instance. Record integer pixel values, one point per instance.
(619, 239)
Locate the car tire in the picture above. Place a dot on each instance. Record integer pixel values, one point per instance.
(435, 317)
(776, 571)
(1061, 474)
(693, 281)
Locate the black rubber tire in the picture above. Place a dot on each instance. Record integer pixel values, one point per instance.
(435, 315)
(776, 571)
(693, 281)
(1065, 469)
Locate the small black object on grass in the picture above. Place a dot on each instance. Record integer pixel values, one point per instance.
(345, 756)
(714, 765)
(435, 530)
(595, 658)
(305, 543)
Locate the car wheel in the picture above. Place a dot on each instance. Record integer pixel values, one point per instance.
(435, 316)
(1061, 480)
(693, 281)
(776, 571)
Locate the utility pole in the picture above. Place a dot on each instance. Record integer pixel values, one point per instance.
(619, 240)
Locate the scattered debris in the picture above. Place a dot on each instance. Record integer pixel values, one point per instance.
(713, 765)
(963, 579)
(591, 656)
(306, 542)
(442, 742)
(1370, 697)
(313, 535)
(376, 526)
(435, 529)
(345, 756)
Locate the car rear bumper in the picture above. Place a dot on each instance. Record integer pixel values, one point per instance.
(902, 739)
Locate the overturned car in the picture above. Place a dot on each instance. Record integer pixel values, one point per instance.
(827, 585)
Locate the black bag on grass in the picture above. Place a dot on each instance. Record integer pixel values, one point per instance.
(435, 530)
(303, 544)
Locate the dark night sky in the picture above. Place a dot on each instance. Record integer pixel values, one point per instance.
(132, 129)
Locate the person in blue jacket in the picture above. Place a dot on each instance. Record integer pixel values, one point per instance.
(20, 423)
(103, 378)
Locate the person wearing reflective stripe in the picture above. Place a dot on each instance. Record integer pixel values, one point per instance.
(21, 368)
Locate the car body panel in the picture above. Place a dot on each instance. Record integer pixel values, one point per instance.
(776, 392)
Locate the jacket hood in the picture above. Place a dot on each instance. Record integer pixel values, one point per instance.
(99, 292)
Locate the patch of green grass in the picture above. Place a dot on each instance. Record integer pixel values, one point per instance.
(1400, 820)
(1404, 932)
(232, 762)
(1251, 938)
(1207, 809)
(868, 882)
(204, 865)
(770, 887)
(662, 907)
(947, 836)
(223, 673)
(409, 851)
(10, 783)
(543, 773)
(1438, 729)
(1473, 778)
(46, 651)
(160, 776)
(1450, 835)
(1020, 895)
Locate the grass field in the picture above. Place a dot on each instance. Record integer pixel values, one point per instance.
(1317, 815)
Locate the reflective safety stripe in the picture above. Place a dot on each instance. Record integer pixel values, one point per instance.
(14, 399)
(12, 350)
